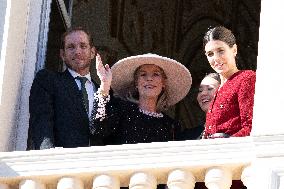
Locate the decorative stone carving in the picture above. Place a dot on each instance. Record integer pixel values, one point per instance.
(31, 184)
(70, 183)
(179, 179)
(218, 178)
(106, 182)
(246, 177)
(142, 181)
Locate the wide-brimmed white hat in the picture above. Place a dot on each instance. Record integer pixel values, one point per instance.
(178, 80)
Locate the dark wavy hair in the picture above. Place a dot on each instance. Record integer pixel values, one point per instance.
(219, 33)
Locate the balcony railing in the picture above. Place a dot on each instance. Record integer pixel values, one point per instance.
(179, 164)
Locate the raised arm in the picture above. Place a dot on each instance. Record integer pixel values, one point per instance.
(104, 116)
(105, 76)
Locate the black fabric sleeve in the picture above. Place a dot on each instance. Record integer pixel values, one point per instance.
(41, 122)
(107, 124)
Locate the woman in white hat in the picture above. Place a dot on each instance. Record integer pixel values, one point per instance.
(146, 85)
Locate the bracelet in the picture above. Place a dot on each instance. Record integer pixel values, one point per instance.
(102, 93)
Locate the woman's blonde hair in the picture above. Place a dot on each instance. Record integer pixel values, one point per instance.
(133, 94)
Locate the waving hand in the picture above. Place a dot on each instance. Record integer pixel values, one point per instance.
(104, 74)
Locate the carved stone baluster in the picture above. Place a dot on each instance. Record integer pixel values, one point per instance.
(218, 178)
(142, 181)
(247, 177)
(106, 182)
(31, 184)
(4, 186)
(70, 183)
(179, 179)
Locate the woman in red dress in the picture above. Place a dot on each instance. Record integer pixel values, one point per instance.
(230, 113)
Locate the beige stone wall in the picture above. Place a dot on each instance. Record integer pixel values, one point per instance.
(11, 68)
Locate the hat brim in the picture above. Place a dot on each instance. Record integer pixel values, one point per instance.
(178, 80)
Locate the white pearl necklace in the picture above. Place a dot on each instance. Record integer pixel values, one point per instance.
(152, 114)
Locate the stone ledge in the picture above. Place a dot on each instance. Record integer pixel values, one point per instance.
(158, 158)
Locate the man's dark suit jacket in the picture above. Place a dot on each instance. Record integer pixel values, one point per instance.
(57, 115)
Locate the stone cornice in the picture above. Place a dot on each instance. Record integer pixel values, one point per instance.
(158, 158)
(268, 146)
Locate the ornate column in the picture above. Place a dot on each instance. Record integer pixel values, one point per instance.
(70, 183)
(246, 177)
(267, 129)
(13, 47)
(106, 182)
(142, 181)
(179, 179)
(31, 184)
(269, 72)
(218, 178)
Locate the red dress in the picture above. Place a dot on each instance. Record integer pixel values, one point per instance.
(231, 109)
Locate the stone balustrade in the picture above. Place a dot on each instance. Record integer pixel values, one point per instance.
(179, 164)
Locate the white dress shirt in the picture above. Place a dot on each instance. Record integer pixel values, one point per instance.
(90, 87)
